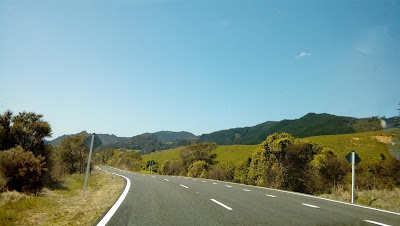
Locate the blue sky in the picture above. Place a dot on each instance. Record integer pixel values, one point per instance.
(126, 67)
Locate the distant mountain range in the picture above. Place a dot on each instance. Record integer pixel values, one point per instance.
(309, 125)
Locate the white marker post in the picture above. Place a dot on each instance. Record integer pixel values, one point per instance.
(353, 159)
(88, 165)
(353, 176)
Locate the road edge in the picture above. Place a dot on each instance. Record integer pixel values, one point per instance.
(116, 205)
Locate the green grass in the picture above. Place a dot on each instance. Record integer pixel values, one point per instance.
(366, 145)
(161, 156)
(234, 153)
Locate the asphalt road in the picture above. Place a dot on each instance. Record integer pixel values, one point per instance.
(172, 200)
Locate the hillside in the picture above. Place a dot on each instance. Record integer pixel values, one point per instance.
(368, 145)
(106, 139)
(169, 136)
(309, 125)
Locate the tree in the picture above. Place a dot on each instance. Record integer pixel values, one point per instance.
(28, 130)
(198, 152)
(72, 152)
(6, 140)
(281, 162)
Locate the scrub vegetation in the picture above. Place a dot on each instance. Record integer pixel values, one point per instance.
(42, 184)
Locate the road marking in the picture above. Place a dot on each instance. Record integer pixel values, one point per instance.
(194, 179)
(246, 190)
(166, 179)
(273, 196)
(228, 186)
(221, 204)
(179, 177)
(143, 175)
(305, 204)
(153, 176)
(204, 181)
(186, 178)
(184, 186)
(214, 183)
(377, 223)
(115, 207)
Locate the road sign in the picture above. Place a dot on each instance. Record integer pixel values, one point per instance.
(353, 159)
(96, 142)
(356, 158)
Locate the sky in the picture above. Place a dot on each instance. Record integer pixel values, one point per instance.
(126, 67)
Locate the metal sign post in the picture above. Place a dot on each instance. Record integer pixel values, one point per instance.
(353, 159)
(97, 142)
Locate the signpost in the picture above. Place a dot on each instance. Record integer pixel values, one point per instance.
(353, 159)
(92, 141)
(151, 163)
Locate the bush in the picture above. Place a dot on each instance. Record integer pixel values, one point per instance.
(198, 169)
(326, 172)
(223, 172)
(22, 170)
(172, 167)
(126, 160)
(281, 162)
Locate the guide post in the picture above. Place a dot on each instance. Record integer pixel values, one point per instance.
(353, 159)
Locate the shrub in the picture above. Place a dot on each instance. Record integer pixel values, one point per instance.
(281, 162)
(198, 169)
(126, 160)
(224, 172)
(172, 167)
(23, 171)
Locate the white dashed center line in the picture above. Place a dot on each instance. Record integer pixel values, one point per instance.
(377, 223)
(273, 196)
(214, 183)
(305, 204)
(153, 176)
(203, 181)
(184, 186)
(246, 190)
(166, 179)
(228, 186)
(221, 204)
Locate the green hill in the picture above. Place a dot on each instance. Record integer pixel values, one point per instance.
(309, 125)
(368, 145)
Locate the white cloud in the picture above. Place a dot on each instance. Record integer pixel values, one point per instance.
(304, 54)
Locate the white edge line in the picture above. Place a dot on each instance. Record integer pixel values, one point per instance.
(228, 186)
(184, 186)
(312, 206)
(116, 205)
(246, 190)
(273, 196)
(377, 223)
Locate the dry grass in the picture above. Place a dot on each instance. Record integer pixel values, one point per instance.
(382, 199)
(65, 206)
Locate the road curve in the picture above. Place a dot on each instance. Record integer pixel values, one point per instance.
(172, 200)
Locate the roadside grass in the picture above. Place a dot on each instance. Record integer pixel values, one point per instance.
(382, 199)
(64, 205)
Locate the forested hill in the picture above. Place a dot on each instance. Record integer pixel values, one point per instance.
(169, 136)
(309, 125)
(106, 139)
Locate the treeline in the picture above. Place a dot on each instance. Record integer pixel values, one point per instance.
(27, 162)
